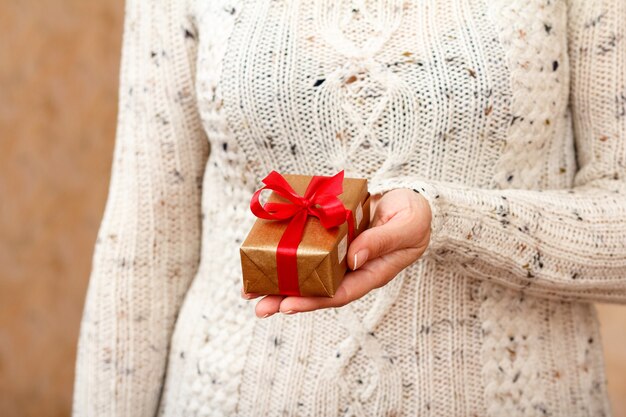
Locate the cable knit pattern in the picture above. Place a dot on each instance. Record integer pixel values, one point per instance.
(508, 116)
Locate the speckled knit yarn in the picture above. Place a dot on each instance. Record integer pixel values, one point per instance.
(509, 116)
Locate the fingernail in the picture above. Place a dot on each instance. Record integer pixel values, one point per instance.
(289, 312)
(267, 315)
(360, 255)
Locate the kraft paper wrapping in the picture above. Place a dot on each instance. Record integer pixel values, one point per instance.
(322, 253)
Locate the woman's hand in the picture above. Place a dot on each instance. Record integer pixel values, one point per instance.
(398, 236)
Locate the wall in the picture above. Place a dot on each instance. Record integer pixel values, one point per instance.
(58, 94)
(58, 78)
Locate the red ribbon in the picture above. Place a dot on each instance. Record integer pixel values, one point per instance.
(320, 200)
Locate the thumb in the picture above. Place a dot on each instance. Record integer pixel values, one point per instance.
(385, 235)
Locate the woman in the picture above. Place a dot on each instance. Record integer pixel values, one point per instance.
(495, 133)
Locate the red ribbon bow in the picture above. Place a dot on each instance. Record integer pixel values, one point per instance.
(320, 200)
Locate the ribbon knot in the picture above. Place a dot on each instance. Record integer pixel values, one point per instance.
(319, 200)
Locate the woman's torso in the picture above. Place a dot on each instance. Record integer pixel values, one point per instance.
(463, 91)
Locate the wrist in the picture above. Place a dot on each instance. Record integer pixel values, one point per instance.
(431, 213)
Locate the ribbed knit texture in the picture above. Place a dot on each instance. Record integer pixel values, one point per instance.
(509, 116)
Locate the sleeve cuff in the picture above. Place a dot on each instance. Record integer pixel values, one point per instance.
(430, 192)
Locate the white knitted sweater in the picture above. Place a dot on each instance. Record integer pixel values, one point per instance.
(508, 115)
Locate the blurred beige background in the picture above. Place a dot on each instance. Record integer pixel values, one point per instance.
(58, 95)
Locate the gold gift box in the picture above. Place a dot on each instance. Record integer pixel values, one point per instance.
(322, 253)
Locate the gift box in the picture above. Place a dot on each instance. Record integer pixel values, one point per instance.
(298, 245)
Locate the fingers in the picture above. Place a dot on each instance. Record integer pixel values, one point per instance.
(401, 220)
(374, 199)
(355, 285)
(379, 240)
(268, 305)
(249, 295)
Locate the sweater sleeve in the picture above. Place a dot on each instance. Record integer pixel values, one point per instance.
(557, 243)
(147, 249)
